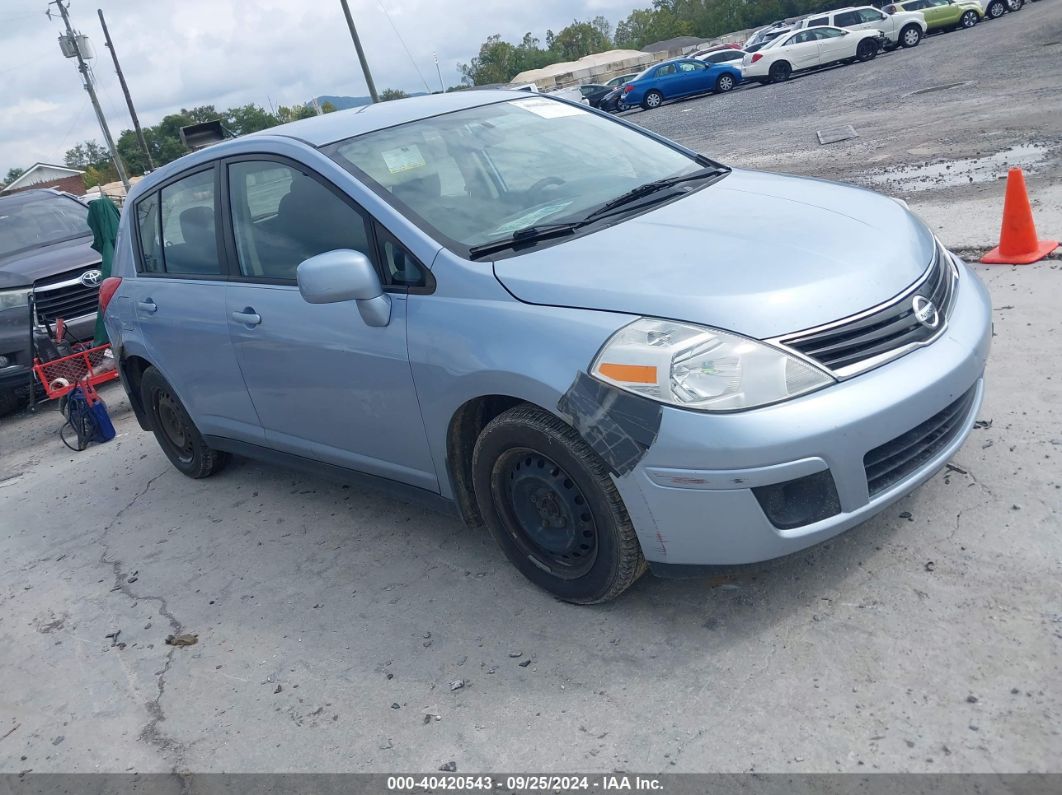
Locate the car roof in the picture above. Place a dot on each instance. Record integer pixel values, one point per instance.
(331, 127)
(32, 194)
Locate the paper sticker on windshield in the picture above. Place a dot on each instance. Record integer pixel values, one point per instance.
(403, 158)
(548, 108)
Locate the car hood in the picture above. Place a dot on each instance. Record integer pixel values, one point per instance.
(755, 253)
(23, 268)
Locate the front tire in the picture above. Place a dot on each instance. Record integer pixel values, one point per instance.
(866, 51)
(177, 435)
(653, 99)
(969, 19)
(911, 36)
(552, 507)
(780, 72)
(996, 9)
(724, 83)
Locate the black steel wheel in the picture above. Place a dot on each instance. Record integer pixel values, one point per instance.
(174, 430)
(867, 50)
(780, 71)
(546, 512)
(550, 503)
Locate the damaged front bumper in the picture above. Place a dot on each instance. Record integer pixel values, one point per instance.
(724, 489)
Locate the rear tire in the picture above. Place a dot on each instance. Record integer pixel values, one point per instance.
(1015, 5)
(780, 71)
(996, 9)
(910, 36)
(867, 50)
(551, 505)
(724, 83)
(653, 99)
(177, 435)
(969, 19)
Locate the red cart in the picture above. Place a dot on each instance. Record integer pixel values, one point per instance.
(88, 365)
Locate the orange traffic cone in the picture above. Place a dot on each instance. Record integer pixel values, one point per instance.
(1018, 244)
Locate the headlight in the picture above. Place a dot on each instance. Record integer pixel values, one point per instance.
(702, 368)
(9, 299)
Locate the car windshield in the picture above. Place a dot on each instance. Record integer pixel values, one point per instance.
(481, 174)
(40, 222)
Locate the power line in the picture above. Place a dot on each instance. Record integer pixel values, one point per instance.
(404, 47)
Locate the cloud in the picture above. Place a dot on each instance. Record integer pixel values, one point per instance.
(182, 53)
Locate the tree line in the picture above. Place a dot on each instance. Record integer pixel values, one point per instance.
(499, 61)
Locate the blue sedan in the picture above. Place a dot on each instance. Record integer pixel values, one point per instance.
(681, 77)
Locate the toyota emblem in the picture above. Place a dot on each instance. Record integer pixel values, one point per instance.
(91, 278)
(925, 311)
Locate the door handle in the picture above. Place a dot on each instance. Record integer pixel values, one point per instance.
(148, 306)
(248, 317)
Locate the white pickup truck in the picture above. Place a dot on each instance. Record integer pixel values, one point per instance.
(904, 28)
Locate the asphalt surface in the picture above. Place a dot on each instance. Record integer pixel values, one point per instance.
(338, 630)
(957, 96)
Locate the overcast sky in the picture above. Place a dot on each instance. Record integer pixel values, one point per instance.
(180, 53)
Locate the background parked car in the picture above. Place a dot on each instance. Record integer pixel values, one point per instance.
(727, 55)
(994, 9)
(46, 254)
(594, 93)
(616, 82)
(942, 14)
(681, 77)
(901, 27)
(807, 49)
(764, 36)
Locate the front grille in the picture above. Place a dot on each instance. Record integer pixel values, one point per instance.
(65, 297)
(872, 338)
(893, 461)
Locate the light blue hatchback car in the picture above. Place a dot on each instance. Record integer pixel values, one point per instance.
(609, 350)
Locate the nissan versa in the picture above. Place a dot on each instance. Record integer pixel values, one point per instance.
(608, 349)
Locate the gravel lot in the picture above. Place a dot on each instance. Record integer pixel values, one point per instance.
(341, 631)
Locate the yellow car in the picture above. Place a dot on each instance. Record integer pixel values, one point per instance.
(942, 14)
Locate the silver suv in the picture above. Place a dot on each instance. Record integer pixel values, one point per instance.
(611, 351)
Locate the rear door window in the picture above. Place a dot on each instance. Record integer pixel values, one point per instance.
(846, 18)
(147, 221)
(818, 21)
(177, 230)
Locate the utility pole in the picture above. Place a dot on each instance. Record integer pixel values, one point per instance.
(361, 52)
(125, 90)
(435, 55)
(83, 68)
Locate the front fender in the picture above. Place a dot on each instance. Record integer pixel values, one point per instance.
(473, 339)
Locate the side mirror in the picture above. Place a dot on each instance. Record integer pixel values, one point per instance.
(345, 275)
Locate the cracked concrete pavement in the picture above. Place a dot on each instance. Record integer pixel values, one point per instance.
(331, 620)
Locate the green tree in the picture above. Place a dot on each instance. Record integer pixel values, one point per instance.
(248, 119)
(13, 173)
(85, 154)
(579, 39)
(392, 93)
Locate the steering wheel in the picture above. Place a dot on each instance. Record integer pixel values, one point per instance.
(544, 183)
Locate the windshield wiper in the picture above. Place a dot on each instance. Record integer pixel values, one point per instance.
(653, 187)
(537, 232)
(529, 234)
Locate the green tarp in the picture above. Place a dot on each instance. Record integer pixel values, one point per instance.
(103, 221)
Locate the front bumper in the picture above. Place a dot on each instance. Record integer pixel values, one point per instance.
(692, 497)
